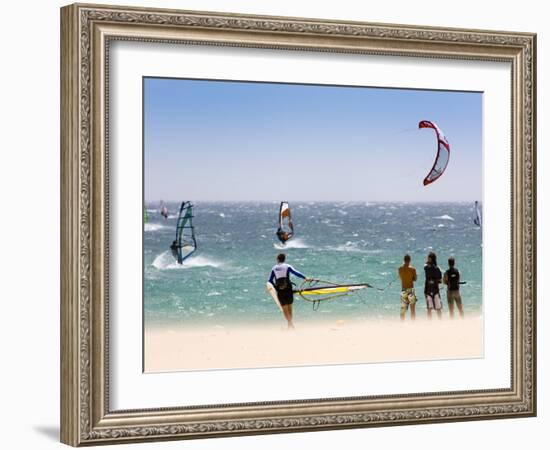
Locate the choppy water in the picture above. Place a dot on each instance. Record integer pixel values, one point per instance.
(224, 281)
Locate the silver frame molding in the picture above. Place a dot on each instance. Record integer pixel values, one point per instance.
(86, 32)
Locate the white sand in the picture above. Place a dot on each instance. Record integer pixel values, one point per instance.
(338, 342)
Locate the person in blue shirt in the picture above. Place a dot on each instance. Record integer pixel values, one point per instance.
(280, 279)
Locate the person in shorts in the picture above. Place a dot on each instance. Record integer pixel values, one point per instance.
(407, 275)
(280, 279)
(431, 286)
(452, 279)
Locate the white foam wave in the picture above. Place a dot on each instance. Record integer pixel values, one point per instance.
(444, 217)
(222, 215)
(165, 261)
(153, 227)
(292, 243)
(347, 247)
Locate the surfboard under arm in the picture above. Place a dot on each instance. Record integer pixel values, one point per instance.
(273, 292)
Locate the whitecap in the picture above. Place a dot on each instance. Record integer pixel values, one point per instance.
(213, 294)
(222, 215)
(444, 217)
(347, 247)
(389, 240)
(153, 226)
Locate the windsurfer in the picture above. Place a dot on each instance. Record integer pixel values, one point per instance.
(280, 279)
(174, 249)
(286, 228)
(282, 235)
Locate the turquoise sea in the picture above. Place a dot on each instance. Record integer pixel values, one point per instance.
(224, 281)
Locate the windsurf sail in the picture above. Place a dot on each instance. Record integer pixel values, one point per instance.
(286, 228)
(316, 291)
(443, 152)
(185, 243)
(163, 210)
(477, 214)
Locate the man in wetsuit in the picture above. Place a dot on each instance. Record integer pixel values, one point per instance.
(280, 279)
(282, 235)
(174, 249)
(431, 287)
(452, 279)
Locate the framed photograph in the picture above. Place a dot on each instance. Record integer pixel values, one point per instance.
(276, 224)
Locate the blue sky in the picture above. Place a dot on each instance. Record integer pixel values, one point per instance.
(238, 141)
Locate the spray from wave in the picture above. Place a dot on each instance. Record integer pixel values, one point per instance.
(293, 243)
(165, 261)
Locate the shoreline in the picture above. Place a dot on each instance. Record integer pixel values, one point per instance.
(323, 342)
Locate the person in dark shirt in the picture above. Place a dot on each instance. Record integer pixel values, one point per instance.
(452, 280)
(431, 286)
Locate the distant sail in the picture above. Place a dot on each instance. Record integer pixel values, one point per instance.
(477, 214)
(286, 228)
(163, 210)
(443, 152)
(185, 243)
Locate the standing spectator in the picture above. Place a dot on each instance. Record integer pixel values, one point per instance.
(431, 286)
(452, 280)
(407, 275)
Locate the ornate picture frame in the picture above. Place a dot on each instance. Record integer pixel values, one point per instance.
(87, 32)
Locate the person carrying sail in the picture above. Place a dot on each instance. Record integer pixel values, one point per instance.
(407, 275)
(280, 279)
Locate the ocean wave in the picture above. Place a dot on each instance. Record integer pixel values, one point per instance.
(292, 243)
(165, 261)
(444, 217)
(347, 247)
(153, 227)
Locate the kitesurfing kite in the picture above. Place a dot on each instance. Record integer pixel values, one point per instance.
(316, 291)
(286, 228)
(477, 214)
(163, 210)
(443, 152)
(185, 243)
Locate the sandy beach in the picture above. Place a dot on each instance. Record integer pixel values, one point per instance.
(327, 342)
